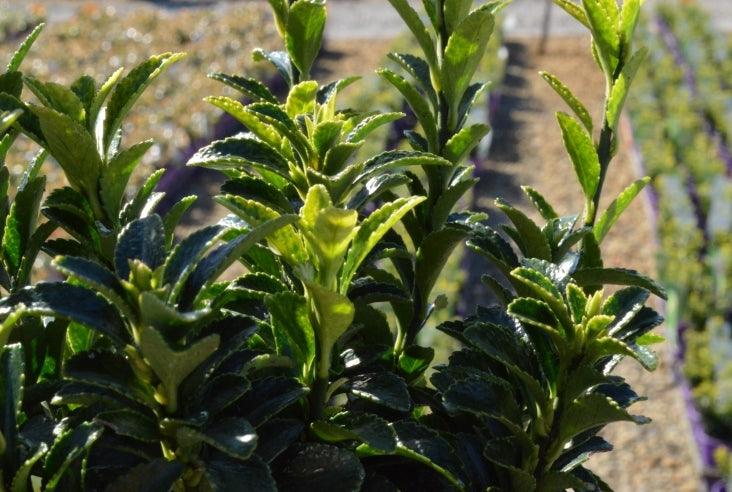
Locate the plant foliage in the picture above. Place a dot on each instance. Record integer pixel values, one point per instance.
(144, 369)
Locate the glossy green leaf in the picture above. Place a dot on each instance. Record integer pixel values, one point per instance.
(603, 17)
(419, 70)
(233, 436)
(458, 148)
(383, 388)
(574, 9)
(433, 254)
(130, 423)
(366, 428)
(66, 449)
(575, 104)
(52, 299)
(280, 60)
(559, 480)
(317, 466)
(426, 446)
(617, 276)
(254, 188)
(57, 97)
(210, 268)
(414, 361)
(144, 201)
(472, 394)
(591, 411)
(129, 89)
(142, 239)
(185, 256)
(21, 223)
(21, 479)
(301, 98)
(96, 277)
(12, 368)
(533, 243)
(268, 397)
(236, 153)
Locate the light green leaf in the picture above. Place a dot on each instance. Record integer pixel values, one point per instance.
(603, 17)
(617, 207)
(574, 10)
(293, 332)
(591, 411)
(419, 30)
(620, 88)
(532, 241)
(73, 148)
(173, 366)
(582, 153)
(129, 89)
(24, 47)
(465, 48)
(304, 33)
(372, 230)
(301, 98)
(458, 148)
(575, 104)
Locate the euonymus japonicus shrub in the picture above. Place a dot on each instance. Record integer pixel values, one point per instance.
(144, 370)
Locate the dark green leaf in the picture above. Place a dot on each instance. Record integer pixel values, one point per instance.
(154, 476)
(66, 449)
(238, 152)
(128, 422)
(224, 473)
(280, 60)
(414, 361)
(11, 388)
(533, 243)
(52, 299)
(617, 276)
(234, 437)
(142, 239)
(316, 466)
(268, 397)
(247, 86)
(383, 388)
(366, 428)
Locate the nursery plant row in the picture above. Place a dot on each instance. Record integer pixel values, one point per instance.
(682, 115)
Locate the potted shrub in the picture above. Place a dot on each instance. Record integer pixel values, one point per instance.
(143, 370)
